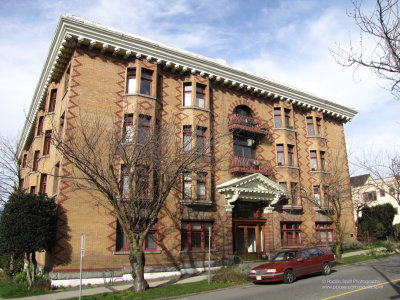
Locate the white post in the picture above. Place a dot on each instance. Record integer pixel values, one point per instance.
(82, 255)
(209, 254)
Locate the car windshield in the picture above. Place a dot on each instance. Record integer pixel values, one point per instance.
(286, 255)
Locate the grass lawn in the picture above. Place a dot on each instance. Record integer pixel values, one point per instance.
(9, 289)
(162, 291)
(359, 258)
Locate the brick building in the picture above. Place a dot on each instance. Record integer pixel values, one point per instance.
(278, 140)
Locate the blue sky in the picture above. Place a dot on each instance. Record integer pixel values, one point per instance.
(288, 41)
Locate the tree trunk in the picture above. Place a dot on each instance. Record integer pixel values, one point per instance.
(27, 266)
(338, 249)
(137, 260)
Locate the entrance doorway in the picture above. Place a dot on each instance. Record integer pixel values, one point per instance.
(249, 241)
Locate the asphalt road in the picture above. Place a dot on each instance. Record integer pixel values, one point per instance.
(377, 279)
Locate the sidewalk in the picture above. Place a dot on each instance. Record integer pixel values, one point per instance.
(110, 289)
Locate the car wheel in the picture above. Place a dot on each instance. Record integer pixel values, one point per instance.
(326, 269)
(288, 276)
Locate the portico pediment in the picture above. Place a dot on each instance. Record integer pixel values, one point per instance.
(251, 188)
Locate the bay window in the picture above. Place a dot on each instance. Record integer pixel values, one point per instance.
(131, 81)
(146, 82)
(324, 232)
(195, 235)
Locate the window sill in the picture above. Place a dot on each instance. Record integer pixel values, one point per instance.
(293, 246)
(38, 136)
(319, 172)
(197, 251)
(44, 156)
(285, 129)
(196, 202)
(288, 167)
(144, 96)
(323, 209)
(195, 107)
(146, 252)
(316, 137)
(292, 207)
(49, 113)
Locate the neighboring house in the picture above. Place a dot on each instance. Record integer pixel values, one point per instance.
(371, 192)
(279, 140)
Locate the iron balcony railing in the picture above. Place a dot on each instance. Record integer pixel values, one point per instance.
(247, 123)
(250, 165)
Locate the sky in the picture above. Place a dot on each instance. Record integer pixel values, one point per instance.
(288, 41)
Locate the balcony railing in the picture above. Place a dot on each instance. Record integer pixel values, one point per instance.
(247, 123)
(250, 165)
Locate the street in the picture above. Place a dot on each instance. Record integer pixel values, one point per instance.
(377, 279)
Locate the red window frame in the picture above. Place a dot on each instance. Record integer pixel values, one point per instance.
(40, 126)
(322, 160)
(47, 141)
(196, 238)
(317, 194)
(33, 190)
(287, 117)
(128, 128)
(187, 186)
(293, 192)
(144, 128)
(43, 183)
(187, 138)
(35, 160)
(131, 74)
(25, 157)
(121, 244)
(200, 138)
(200, 95)
(142, 180)
(277, 117)
(291, 155)
(125, 172)
(310, 126)
(324, 227)
(280, 151)
(146, 82)
(187, 94)
(291, 233)
(52, 102)
(318, 126)
(201, 182)
(313, 160)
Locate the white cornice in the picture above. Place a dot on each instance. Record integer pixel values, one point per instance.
(74, 31)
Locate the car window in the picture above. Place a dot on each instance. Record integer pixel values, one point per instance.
(286, 255)
(314, 252)
(304, 254)
(320, 252)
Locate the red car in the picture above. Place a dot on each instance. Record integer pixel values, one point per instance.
(287, 265)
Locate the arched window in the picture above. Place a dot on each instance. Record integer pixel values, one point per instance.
(242, 110)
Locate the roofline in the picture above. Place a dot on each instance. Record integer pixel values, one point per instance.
(73, 31)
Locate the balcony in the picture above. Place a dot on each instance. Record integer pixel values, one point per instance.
(247, 124)
(241, 164)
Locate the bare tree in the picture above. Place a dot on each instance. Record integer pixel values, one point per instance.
(382, 25)
(9, 168)
(335, 200)
(134, 170)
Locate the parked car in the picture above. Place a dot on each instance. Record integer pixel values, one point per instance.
(290, 264)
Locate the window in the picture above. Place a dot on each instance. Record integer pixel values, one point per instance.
(381, 192)
(283, 185)
(322, 160)
(35, 160)
(195, 235)
(159, 87)
(277, 117)
(280, 155)
(33, 190)
(200, 138)
(310, 126)
(291, 155)
(200, 95)
(52, 103)
(201, 186)
(24, 161)
(21, 184)
(43, 183)
(187, 186)
(125, 188)
(293, 192)
(313, 158)
(287, 117)
(187, 138)
(66, 80)
(314, 252)
(243, 146)
(326, 196)
(318, 124)
(144, 128)
(142, 181)
(128, 128)
(370, 196)
(56, 177)
(150, 242)
(146, 81)
(290, 233)
(62, 120)
(324, 232)
(131, 81)
(396, 209)
(317, 194)
(47, 140)
(187, 94)
(40, 126)
(120, 241)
